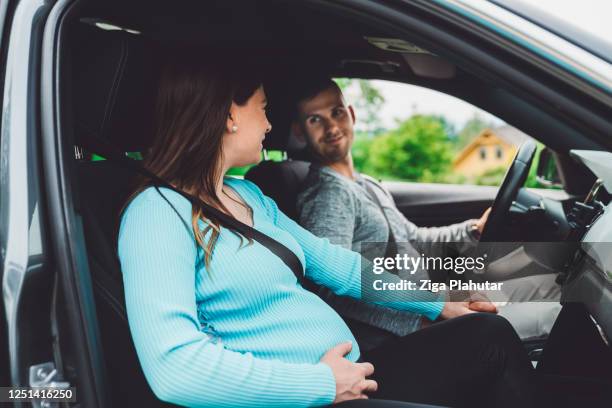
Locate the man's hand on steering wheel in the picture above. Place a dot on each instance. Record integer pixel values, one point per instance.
(480, 224)
(508, 191)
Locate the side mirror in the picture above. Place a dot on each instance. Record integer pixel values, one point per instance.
(547, 173)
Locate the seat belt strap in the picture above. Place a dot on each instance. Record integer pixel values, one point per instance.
(106, 150)
(391, 249)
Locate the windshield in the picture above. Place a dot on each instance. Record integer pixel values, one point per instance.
(585, 23)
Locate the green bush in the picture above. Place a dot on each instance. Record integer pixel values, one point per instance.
(418, 150)
(361, 152)
(492, 177)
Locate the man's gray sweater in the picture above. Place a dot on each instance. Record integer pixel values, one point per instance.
(342, 210)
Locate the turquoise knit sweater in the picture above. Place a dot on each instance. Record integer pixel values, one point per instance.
(243, 332)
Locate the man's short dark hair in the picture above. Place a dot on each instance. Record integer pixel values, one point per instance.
(309, 88)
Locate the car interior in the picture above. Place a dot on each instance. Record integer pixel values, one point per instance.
(111, 53)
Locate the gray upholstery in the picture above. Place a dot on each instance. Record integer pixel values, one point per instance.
(281, 181)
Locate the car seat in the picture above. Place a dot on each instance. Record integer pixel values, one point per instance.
(111, 92)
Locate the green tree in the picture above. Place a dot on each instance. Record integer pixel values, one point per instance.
(343, 83)
(369, 102)
(361, 151)
(418, 150)
(449, 128)
(471, 129)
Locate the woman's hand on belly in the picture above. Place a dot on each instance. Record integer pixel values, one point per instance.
(351, 382)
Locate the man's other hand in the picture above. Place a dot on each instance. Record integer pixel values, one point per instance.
(480, 224)
(482, 306)
(456, 309)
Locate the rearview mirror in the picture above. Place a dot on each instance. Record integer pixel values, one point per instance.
(547, 173)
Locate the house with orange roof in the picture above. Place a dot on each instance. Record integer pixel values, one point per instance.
(490, 150)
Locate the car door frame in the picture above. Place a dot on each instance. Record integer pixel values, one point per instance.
(6, 11)
(65, 226)
(41, 297)
(25, 272)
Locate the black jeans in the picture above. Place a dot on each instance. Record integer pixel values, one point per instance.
(377, 403)
(472, 361)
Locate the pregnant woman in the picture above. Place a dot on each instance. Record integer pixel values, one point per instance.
(219, 320)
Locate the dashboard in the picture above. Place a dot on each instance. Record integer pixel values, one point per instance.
(591, 279)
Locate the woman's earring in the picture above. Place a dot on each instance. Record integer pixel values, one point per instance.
(234, 129)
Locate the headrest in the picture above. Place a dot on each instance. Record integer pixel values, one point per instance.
(114, 85)
(282, 181)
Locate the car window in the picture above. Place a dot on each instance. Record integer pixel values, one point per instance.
(409, 133)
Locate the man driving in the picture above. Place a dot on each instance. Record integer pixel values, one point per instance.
(350, 209)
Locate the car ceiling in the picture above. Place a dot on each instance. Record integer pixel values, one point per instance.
(292, 40)
(280, 34)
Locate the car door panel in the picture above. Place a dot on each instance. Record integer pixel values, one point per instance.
(6, 12)
(430, 204)
(25, 277)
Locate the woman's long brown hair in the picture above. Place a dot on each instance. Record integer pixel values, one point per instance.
(192, 108)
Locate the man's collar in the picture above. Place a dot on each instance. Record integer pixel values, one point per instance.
(330, 171)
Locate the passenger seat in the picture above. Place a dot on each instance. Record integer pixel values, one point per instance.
(112, 92)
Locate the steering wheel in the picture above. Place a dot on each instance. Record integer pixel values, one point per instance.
(513, 180)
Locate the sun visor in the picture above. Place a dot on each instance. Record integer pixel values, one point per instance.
(430, 66)
(422, 62)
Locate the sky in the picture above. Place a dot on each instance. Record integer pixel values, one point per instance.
(593, 16)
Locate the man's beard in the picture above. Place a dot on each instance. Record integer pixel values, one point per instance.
(331, 154)
(336, 154)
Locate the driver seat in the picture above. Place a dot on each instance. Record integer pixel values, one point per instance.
(281, 181)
